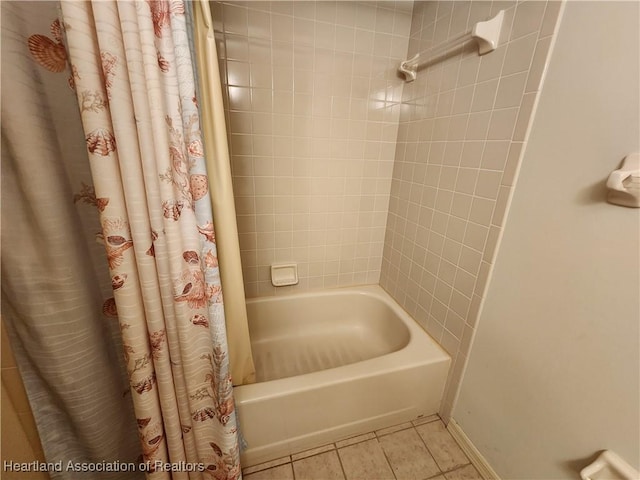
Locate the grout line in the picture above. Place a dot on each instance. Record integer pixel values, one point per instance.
(435, 476)
(355, 443)
(428, 450)
(265, 468)
(456, 468)
(333, 445)
(395, 431)
(459, 467)
(437, 418)
(386, 458)
(337, 450)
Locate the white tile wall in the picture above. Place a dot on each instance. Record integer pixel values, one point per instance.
(313, 103)
(462, 127)
(329, 146)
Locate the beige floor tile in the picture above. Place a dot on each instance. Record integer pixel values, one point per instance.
(409, 458)
(357, 439)
(266, 465)
(467, 472)
(283, 472)
(365, 461)
(442, 446)
(325, 466)
(313, 451)
(395, 428)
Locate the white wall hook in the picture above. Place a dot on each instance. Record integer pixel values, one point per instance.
(608, 466)
(624, 183)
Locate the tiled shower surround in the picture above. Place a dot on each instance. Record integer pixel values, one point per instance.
(313, 108)
(462, 130)
(329, 145)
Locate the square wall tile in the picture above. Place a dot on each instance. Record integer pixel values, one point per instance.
(312, 92)
(494, 96)
(357, 176)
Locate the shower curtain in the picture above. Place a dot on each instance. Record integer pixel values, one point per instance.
(56, 290)
(219, 166)
(131, 69)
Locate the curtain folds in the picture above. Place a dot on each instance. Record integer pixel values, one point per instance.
(134, 82)
(119, 335)
(54, 274)
(219, 167)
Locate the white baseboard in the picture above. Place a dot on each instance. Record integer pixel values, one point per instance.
(478, 461)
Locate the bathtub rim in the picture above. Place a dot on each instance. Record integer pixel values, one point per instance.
(421, 349)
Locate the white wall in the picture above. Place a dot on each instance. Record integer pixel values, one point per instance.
(554, 370)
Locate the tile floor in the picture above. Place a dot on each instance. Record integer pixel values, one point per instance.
(418, 450)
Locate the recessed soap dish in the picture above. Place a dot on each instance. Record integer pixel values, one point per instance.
(284, 274)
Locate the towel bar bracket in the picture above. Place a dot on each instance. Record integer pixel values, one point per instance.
(486, 34)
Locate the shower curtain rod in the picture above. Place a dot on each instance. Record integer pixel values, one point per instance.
(486, 34)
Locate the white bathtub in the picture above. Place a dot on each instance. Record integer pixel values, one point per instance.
(334, 364)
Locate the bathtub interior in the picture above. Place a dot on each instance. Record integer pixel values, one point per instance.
(303, 334)
(343, 362)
